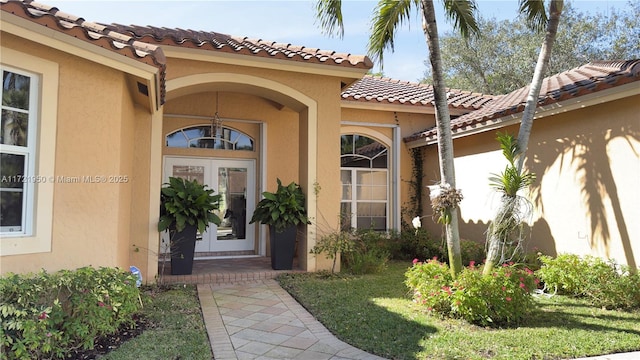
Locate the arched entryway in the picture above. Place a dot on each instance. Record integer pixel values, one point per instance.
(278, 121)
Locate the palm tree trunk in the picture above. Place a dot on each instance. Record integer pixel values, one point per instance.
(555, 9)
(495, 242)
(443, 123)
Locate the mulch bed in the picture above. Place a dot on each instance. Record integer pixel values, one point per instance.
(111, 342)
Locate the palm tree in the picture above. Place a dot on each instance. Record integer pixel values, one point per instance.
(389, 14)
(509, 218)
(533, 12)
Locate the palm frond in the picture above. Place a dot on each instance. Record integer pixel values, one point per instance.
(510, 181)
(534, 13)
(329, 14)
(509, 146)
(388, 15)
(463, 14)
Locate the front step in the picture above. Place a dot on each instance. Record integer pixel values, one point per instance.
(224, 278)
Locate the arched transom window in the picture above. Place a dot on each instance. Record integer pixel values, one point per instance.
(200, 136)
(364, 176)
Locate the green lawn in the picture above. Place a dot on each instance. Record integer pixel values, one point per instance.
(374, 313)
(176, 329)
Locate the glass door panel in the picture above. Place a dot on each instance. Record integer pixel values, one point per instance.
(234, 180)
(236, 184)
(232, 186)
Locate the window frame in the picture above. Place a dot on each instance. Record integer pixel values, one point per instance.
(38, 237)
(354, 200)
(28, 151)
(188, 139)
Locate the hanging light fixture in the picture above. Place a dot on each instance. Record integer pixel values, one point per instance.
(216, 122)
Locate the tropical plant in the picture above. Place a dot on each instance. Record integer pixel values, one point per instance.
(283, 208)
(505, 233)
(389, 14)
(507, 217)
(185, 202)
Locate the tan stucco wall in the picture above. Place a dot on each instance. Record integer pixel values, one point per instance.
(96, 137)
(587, 165)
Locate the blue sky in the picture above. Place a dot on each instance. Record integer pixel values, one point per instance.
(293, 22)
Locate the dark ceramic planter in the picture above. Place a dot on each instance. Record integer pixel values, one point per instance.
(283, 247)
(183, 246)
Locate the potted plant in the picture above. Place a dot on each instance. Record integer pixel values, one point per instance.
(283, 211)
(186, 207)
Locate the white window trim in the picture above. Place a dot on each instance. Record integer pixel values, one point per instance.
(354, 201)
(393, 164)
(28, 152)
(37, 237)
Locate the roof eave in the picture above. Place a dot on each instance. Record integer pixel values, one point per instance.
(349, 74)
(18, 26)
(611, 94)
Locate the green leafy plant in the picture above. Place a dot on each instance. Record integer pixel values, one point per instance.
(510, 181)
(185, 202)
(430, 285)
(501, 298)
(604, 283)
(47, 315)
(505, 232)
(332, 244)
(283, 208)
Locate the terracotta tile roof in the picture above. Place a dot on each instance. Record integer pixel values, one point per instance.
(241, 45)
(389, 91)
(583, 80)
(93, 33)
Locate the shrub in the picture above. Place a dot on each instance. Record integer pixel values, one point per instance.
(500, 298)
(369, 254)
(372, 261)
(333, 244)
(471, 251)
(563, 274)
(45, 315)
(417, 244)
(361, 252)
(605, 283)
(430, 284)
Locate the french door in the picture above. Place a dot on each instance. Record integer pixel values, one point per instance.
(234, 180)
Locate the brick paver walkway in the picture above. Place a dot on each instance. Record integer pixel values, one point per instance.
(260, 320)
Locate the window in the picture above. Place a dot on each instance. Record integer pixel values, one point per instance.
(17, 151)
(364, 176)
(201, 137)
(27, 160)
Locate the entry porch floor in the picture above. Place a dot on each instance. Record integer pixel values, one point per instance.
(224, 271)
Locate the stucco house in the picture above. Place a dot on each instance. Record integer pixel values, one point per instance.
(584, 150)
(96, 117)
